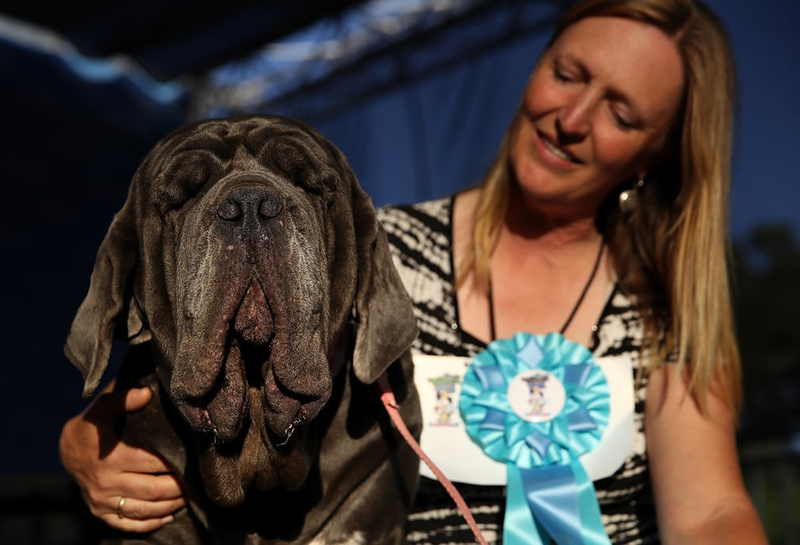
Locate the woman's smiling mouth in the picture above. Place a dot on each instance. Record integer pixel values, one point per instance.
(554, 153)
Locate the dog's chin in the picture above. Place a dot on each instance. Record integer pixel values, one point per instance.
(230, 470)
(247, 437)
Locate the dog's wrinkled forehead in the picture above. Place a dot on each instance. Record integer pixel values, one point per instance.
(189, 161)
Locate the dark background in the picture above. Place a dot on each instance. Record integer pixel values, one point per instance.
(416, 98)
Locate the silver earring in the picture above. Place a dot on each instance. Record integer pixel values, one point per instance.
(629, 198)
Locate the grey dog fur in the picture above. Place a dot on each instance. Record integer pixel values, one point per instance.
(244, 256)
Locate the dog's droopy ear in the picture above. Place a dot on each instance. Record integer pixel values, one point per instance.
(387, 326)
(109, 310)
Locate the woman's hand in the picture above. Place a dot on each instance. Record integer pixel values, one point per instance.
(107, 470)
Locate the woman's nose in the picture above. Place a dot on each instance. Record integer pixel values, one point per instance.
(574, 117)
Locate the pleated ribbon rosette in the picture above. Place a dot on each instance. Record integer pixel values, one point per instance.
(537, 403)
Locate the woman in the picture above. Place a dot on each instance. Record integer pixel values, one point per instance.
(603, 217)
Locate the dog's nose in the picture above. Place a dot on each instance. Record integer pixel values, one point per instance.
(250, 203)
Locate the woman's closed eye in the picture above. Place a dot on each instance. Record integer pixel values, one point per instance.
(622, 118)
(622, 122)
(564, 74)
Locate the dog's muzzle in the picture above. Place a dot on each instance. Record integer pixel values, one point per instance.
(255, 343)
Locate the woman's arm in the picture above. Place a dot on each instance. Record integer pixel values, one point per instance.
(699, 493)
(107, 469)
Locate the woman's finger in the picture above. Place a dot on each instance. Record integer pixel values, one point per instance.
(108, 405)
(113, 403)
(134, 525)
(140, 510)
(137, 399)
(152, 488)
(136, 460)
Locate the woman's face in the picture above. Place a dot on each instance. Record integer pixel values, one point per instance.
(598, 106)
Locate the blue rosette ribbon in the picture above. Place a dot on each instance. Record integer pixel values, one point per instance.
(537, 403)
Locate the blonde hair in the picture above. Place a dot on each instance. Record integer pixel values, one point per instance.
(674, 257)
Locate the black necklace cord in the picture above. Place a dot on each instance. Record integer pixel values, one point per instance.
(585, 288)
(493, 327)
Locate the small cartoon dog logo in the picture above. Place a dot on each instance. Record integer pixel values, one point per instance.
(536, 399)
(445, 407)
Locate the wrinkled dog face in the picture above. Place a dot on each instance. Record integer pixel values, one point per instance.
(241, 227)
(243, 212)
(250, 288)
(244, 247)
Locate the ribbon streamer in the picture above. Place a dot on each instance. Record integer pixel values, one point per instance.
(537, 403)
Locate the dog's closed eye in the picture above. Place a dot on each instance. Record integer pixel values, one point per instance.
(188, 174)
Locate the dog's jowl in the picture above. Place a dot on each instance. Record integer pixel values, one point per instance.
(249, 274)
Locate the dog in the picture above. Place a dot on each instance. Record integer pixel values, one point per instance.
(253, 281)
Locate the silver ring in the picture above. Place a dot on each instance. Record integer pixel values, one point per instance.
(120, 503)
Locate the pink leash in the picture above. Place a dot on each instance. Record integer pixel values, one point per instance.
(390, 403)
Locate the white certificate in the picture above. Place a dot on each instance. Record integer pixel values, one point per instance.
(445, 440)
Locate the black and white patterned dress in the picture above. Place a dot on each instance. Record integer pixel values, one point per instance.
(420, 237)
